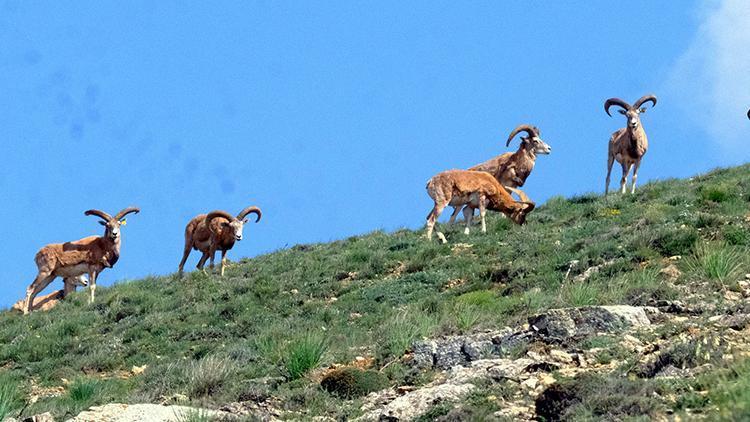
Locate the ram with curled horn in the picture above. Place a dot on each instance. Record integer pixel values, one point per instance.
(512, 169)
(215, 231)
(628, 145)
(90, 256)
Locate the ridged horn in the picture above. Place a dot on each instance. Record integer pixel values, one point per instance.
(645, 99)
(126, 211)
(615, 101)
(99, 213)
(216, 214)
(531, 130)
(248, 210)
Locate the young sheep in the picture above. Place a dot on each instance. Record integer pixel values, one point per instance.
(217, 230)
(476, 189)
(629, 144)
(513, 168)
(90, 255)
(49, 301)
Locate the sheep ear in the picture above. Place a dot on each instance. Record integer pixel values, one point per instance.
(124, 222)
(102, 223)
(622, 112)
(245, 220)
(642, 110)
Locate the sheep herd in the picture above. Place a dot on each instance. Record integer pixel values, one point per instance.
(473, 188)
(486, 186)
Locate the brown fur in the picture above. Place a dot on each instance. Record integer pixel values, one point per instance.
(474, 189)
(628, 145)
(512, 169)
(90, 255)
(218, 234)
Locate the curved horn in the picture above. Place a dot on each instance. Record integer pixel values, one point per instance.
(217, 213)
(249, 210)
(531, 130)
(101, 214)
(748, 114)
(127, 211)
(616, 101)
(645, 99)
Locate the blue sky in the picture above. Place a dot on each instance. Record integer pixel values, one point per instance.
(331, 116)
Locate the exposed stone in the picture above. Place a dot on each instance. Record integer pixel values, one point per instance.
(143, 413)
(561, 324)
(671, 272)
(416, 403)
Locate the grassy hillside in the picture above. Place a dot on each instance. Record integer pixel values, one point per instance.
(289, 312)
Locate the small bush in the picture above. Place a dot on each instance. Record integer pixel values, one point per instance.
(303, 355)
(735, 235)
(719, 263)
(718, 193)
(671, 242)
(208, 375)
(10, 399)
(351, 383)
(83, 390)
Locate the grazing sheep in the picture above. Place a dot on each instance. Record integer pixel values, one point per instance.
(90, 255)
(628, 145)
(479, 190)
(217, 230)
(513, 168)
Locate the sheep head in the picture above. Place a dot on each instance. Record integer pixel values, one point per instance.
(632, 113)
(112, 224)
(520, 209)
(533, 142)
(235, 225)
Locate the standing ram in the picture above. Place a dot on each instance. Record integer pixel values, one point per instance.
(628, 145)
(217, 230)
(90, 255)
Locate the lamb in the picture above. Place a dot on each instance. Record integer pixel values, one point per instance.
(629, 144)
(513, 168)
(475, 189)
(49, 301)
(217, 230)
(90, 255)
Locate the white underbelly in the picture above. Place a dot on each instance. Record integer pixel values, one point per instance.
(470, 199)
(73, 270)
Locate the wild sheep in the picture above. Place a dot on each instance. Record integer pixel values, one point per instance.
(49, 301)
(217, 230)
(477, 189)
(629, 144)
(89, 255)
(513, 168)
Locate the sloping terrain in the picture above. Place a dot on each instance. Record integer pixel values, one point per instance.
(340, 329)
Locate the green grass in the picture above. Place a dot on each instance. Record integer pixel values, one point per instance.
(304, 355)
(286, 313)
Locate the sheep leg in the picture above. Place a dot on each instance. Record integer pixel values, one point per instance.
(42, 280)
(202, 261)
(68, 288)
(623, 180)
(483, 212)
(456, 210)
(223, 261)
(610, 162)
(185, 254)
(92, 285)
(432, 220)
(468, 216)
(635, 175)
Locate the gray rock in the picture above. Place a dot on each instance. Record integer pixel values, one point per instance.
(562, 324)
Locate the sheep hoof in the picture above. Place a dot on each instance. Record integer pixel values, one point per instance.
(442, 237)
